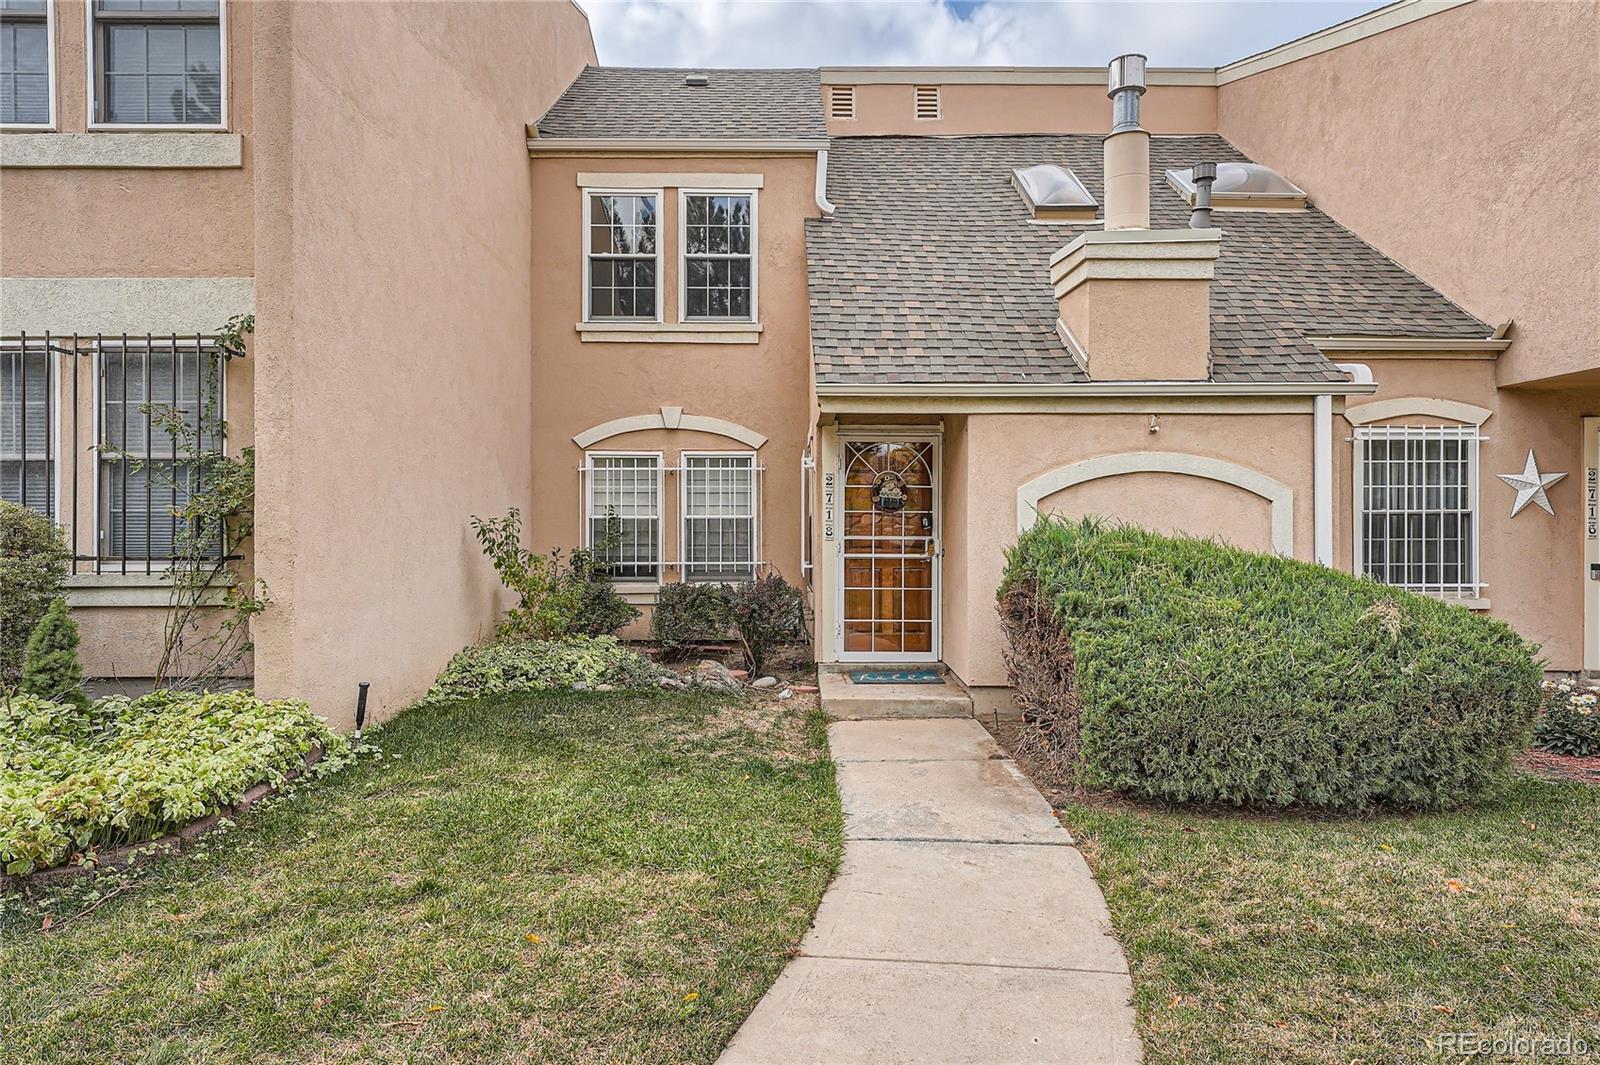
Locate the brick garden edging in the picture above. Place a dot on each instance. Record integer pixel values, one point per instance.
(135, 854)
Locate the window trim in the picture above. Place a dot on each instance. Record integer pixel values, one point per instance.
(683, 511)
(589, 193)
(49, 124)
(100, 525)
(587, 488)
(1467, 592)
(91, 51)
(683, 256)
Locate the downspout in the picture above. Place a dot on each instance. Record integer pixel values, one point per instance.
(822, 182)
(1322, 478)
(1322, 464)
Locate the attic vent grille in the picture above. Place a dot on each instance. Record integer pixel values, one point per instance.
(927, 102)
(842, 101)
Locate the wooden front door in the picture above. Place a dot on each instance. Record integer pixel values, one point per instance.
(891, 550)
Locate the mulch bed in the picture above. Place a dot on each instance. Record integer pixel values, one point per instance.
(1560, 766)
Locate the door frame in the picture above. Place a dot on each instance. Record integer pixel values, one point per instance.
(1591, 543)
(884, 435)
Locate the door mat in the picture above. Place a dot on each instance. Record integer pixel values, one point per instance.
(896, 676)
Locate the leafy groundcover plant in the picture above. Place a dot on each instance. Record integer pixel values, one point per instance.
(1202, 673)
(511, 665)
(1570, 720)
(124, 771)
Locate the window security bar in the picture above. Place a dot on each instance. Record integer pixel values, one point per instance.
(1416, 507)
(89, 437)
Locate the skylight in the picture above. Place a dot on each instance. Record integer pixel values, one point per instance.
(1243, 185)
(1054, 192)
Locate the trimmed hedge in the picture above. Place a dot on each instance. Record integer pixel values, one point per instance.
(1198, 672)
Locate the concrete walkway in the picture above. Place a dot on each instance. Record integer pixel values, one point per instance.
(964, 926)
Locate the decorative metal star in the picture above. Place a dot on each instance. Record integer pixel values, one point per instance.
(1530, 485)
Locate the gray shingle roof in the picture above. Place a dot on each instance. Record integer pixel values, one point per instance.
(931, 271)
(641, 102)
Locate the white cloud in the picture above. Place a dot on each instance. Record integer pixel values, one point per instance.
(767, 33)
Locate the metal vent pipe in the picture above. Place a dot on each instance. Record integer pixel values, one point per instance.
(1125, 86)
(1203, 175)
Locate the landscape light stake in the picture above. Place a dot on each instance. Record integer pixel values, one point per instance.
(361, 706)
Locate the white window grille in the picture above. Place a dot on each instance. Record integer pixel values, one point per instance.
(28, 429)
(26, 99)
(157, 62)
(1416, 491)
(927, 103)
(621, 257)
(719, 516)
(842, 102)
(623, 514)
(719, 263)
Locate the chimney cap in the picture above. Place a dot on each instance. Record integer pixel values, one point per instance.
(1126, 72)
(1203, 172)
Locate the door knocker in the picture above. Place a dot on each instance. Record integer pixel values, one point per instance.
(889, 491)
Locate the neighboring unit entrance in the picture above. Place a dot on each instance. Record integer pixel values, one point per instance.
(890, 550)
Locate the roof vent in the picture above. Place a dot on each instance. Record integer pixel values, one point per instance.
(1242, 185)
(1054, 193)
(696, 81)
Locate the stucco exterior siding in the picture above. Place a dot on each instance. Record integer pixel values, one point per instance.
(761, 386)
(975, 108)
(1532, 565)
(1461, 145)
(394, 383)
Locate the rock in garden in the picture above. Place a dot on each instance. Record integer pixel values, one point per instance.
(711, 674)
(766, 682)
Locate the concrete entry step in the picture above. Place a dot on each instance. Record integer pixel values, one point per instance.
(844, 700)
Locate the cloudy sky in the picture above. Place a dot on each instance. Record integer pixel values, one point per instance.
(772, 33)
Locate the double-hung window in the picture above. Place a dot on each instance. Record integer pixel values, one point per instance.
(622, 279)
(1417, 507)
(25, 89)
(719, 262)
(146, 470)
(719, 516)
(28, 430)
(157, 62)
(624, 514)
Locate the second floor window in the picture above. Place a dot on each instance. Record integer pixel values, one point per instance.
(718, 256)
(158, 62)
(24, 63)
(622, 268)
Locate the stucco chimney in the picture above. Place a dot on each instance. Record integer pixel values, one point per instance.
(1127, 148)
(1135, 302)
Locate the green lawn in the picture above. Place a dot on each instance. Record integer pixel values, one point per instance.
(595, 877)
(1295, 939)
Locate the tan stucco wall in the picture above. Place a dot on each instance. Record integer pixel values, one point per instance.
(1012, 108)
(1003, 451)
(763, 386)
(130, 222)
(1462, 145)
(1142, 330)
(394, 379)
(1531, 565)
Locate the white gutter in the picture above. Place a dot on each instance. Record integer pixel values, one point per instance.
(682, 145)
(822, 182)
(1108, 388)
(1410, 344)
